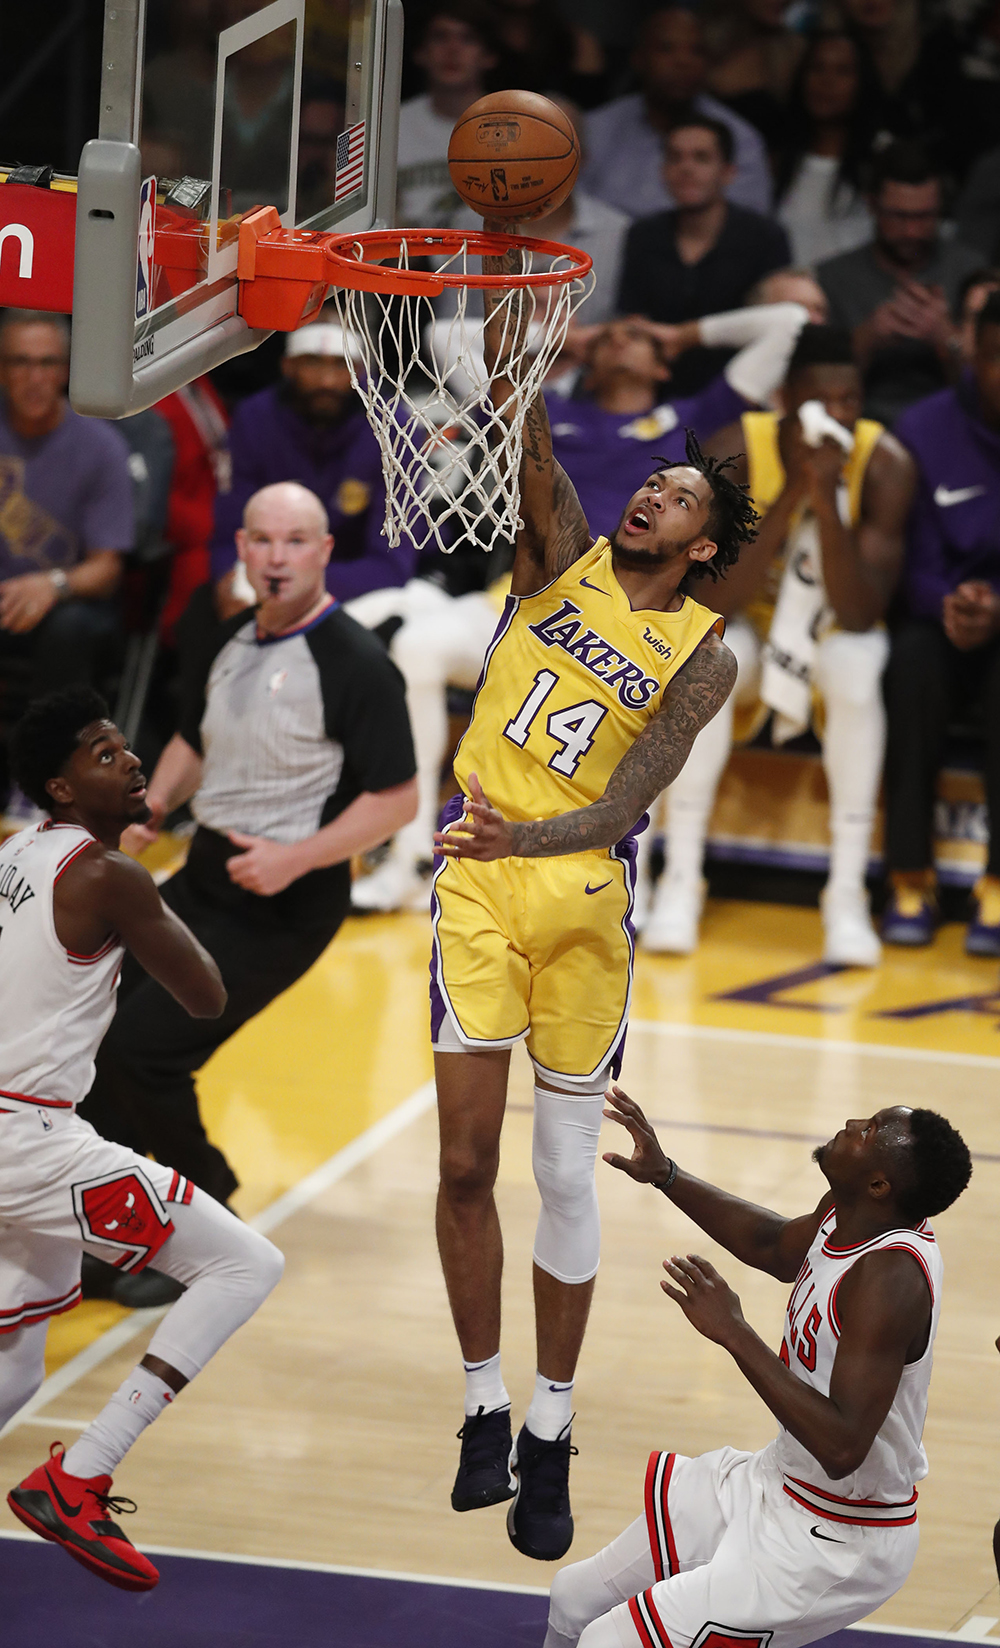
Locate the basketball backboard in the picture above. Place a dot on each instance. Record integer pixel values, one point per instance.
(208, 109)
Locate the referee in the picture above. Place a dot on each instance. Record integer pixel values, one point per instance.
(294, 750)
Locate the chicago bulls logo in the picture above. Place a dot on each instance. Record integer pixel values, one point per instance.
(122, 1211)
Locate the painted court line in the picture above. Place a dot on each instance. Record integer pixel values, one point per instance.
(964, 1634)
(769, 1038)
(292, 1201)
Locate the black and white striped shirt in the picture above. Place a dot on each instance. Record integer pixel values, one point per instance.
(293, 728)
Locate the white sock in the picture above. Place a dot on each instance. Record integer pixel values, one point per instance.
(551, 1408)
(484, 1386)
(104, 1444)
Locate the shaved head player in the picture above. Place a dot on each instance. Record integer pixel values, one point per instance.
(778, 1548)
(602, 672)
(71, 905)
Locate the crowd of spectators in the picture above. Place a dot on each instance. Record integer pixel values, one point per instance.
(838, 155)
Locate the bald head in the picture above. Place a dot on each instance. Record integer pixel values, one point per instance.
(286, 501)
(285, 545)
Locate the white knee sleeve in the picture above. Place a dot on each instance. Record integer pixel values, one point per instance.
(563, 1153)
(228, 1270)
(22, 1368)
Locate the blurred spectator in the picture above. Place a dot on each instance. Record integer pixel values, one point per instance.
(972, 296)
(946, 643)
(754, 55)
(178, 94)
(793, 286)
(606, 437)
(312, 428)
(198, 423)
(625, 137)
(831, 123)
(977, 210)
(456, 49)
(804, 604)
(896, 293)
(890, 31)
(321, 121)
(704, 255)
(66, 511)
(543, 52)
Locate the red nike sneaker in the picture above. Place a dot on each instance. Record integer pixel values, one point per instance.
(73, 1513)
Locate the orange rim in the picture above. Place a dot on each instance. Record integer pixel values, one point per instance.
(368, 273)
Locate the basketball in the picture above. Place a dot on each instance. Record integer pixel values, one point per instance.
(514, 155)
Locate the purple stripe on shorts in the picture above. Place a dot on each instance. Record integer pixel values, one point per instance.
(626, 851)
(451, 810)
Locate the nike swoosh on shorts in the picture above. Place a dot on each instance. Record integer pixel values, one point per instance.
(817, 1534)
(945, 496)
(590, 889)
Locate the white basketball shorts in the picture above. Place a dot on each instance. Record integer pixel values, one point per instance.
(736, 1563)
(62, 1189)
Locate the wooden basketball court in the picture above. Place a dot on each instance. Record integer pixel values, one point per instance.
(324, 1432)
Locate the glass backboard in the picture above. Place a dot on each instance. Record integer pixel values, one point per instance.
(230, 105)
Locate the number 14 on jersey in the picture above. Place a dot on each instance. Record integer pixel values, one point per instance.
(572, 729)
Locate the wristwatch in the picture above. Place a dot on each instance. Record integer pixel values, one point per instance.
(61, 583)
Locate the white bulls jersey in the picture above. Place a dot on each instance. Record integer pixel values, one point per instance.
(56, 1006)
(882, 1489)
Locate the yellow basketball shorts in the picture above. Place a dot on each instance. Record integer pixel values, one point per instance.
(538, 950)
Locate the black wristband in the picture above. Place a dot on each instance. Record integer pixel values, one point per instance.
(666, 1183)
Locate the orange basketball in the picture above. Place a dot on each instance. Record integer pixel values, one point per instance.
(514, 155)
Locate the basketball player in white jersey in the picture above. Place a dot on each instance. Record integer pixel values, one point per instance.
(70, 905)
(778, 1548)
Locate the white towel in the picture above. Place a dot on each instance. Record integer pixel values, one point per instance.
(801, 612)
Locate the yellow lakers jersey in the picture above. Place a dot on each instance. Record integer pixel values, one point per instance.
(572, 677)
(766, 475)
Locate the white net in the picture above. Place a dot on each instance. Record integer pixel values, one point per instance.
(451, 459)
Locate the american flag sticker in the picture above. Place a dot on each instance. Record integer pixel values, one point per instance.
(350, 161)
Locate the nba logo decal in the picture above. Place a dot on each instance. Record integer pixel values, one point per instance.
(144, 260)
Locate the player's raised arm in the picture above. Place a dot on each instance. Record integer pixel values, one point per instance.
(884, 1308)
(122, 894)
(555, 531)
(755, 1235)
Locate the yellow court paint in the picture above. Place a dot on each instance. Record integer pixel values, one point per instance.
(349, 1042)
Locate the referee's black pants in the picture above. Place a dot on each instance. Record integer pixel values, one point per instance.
(926, 681)
(144, 1092)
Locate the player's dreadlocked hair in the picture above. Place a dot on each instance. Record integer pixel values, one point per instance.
(46, 736)
(732, 519)
(941, 1165)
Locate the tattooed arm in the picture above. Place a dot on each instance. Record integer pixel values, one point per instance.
(696, 693)
(555, 531)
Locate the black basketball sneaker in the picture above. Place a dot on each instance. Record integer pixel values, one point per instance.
(540, 1522)
(484, 1473)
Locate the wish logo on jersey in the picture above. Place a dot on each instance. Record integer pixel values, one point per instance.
(563, 629)
(123, 1211)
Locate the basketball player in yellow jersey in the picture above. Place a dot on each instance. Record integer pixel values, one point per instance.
(602, 672)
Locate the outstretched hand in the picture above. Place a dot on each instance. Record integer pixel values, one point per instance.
(704, 1296)
(481, 833)
(647, 1163)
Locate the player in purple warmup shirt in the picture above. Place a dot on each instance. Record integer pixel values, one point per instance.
(605, 433)
(946, 643)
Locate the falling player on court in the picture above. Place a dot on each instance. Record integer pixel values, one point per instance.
(70, 905)
(778, 1548)
(603, 670)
